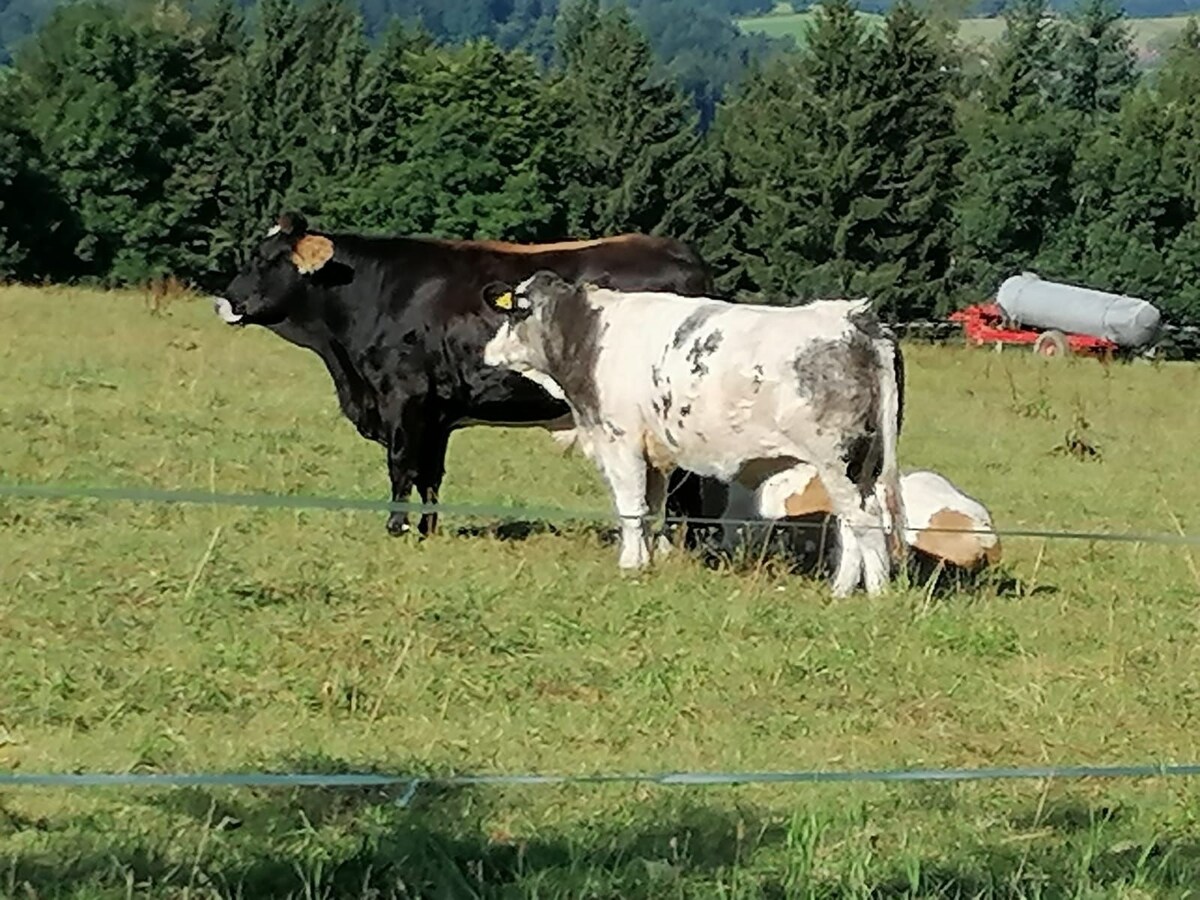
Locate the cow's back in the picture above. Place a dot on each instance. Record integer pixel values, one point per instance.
(708, 378)
(630, 262)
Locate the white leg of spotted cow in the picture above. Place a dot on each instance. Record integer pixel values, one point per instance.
(855, 526)
(850, 560)
(625, 471)
(873, 548)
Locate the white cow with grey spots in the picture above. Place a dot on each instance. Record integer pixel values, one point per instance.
(732, 391)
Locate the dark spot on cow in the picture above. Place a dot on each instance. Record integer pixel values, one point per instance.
(757, 381)
(666, 405)
(692, 324)
(655, 374)
(703, 349)
(410, 337)
(670, 438)
(685, 411)
(840, 378)
(655, 406)
(614, 429)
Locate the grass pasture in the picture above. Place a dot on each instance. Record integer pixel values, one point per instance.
(155, 638)
(1149, 34)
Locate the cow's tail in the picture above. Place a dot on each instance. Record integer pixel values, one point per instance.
(891, 411)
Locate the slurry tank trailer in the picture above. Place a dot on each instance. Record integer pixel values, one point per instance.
(1058, 319)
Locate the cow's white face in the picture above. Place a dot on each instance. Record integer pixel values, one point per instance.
(520, 344)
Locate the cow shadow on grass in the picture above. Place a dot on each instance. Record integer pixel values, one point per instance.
(809, 550)
(523, 530)
(507, 531)
(363, 842)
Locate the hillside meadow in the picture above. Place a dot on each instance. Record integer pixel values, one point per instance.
(153, 638)
(1151, 34)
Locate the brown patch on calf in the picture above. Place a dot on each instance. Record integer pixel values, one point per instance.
(311, 252)
(813, 499)
(992, 553)
(962, 550)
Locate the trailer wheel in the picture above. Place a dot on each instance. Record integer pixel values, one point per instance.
(1051, 344)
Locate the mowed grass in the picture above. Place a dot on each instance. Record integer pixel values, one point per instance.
(186, 638)
(1148, 33)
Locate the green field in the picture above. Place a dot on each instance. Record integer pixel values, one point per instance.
(1148, 34)
(181, 638)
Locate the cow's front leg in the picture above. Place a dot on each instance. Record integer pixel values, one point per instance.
(402, 473)
(625, 471)
(405, 448)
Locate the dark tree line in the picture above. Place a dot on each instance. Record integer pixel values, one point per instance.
(695, 41)
(137, 143)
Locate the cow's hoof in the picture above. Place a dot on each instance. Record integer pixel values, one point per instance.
(398, 526)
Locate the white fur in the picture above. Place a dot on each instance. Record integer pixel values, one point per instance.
(924, 494)
(741, 398)
(224, 309)
(928, 493)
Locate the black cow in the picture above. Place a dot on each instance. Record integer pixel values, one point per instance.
(400, 324)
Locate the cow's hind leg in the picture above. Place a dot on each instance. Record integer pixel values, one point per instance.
(406, 441)
(430, 472)
(859, 533)
(740, 507)
(656, 502)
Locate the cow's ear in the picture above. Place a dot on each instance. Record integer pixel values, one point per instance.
(311, 252)
(499, 296)
(290, 224)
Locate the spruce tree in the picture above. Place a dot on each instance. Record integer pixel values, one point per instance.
(1016, 172)
(623, 131)
(805, 142)
(922, 148)
(464, 158)
(1096, 59)
(329, 140)
(263, 122)
(1023, 67)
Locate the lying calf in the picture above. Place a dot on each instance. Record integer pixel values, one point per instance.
(936, 515)
(737, 392)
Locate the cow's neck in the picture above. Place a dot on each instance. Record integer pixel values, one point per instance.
(356, 396)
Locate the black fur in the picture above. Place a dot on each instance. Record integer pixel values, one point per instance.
(401, 322)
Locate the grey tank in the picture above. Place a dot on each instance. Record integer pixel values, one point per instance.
(1030, 300)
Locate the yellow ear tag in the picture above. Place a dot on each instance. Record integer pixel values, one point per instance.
(504, 301)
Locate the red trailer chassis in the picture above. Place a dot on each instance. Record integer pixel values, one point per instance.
(985, 323)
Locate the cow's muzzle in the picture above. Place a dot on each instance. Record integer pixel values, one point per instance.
(227, 312)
